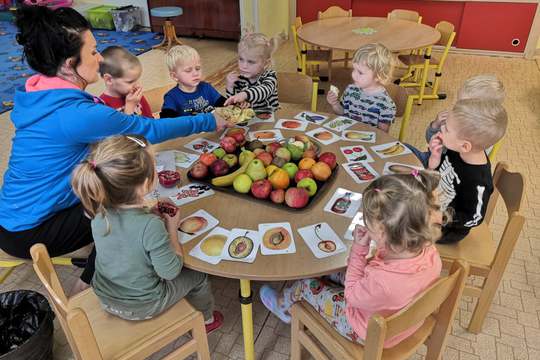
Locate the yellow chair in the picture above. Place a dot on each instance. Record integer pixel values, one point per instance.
(435, 306)
(401, 14)
(487, 258)
(333, 12)
(94, 334)
(296, 88)
(492, 152)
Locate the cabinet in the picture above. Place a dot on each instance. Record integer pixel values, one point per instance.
(212, 18)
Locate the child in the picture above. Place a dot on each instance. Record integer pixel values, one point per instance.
(367, 100)
(191, 96)
(470, 128)
(257, 82)
(139, 271)
(121, 72)
(402, 215)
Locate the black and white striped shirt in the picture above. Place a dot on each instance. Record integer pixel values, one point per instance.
(262, 93)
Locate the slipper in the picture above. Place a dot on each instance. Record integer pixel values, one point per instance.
(216, 324)
(269, 299)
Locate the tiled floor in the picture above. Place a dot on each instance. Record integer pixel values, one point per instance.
(511, 329)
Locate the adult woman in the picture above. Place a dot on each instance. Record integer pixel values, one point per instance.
(56, 121)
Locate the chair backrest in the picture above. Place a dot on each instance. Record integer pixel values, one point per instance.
(399, 96)
(509, 185)
(296, 88)
(435, 307)
(333, 12)
(447, 38)
(402, 14)
(297, 46)
(155, 97)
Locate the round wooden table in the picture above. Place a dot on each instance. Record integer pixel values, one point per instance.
(342, 33)
(236, 212)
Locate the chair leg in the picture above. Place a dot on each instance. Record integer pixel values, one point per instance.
(484, 301)
(346, 62)
(296, 347)
(199, 334)
(330, 70)
(406, 116)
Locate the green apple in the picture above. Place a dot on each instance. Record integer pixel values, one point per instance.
(309, 184)
(291, 169)
(242, 183)
(219, 152)
(230, 159)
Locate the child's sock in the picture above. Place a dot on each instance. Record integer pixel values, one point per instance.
(209, 321)
(269, 298)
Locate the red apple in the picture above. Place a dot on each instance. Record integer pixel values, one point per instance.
(219, 167)
(228, 144)
(261, 189)
(238, 137)
(199, 171)
(168, 178)
(272, 147)
(265, 157)
(328, 158)
(296, 197)
(207, 158)
(277, 196)
(301, 174)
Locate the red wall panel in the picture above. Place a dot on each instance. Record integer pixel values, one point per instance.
(307, 9)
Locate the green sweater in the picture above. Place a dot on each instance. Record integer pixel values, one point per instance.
(134, 259)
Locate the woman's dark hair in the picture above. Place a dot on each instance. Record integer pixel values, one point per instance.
(49, 37)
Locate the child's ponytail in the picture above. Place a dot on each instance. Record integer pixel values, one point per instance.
(89, 188)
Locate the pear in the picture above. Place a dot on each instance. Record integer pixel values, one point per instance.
(244, 155)
(256, 170)
(296, 151)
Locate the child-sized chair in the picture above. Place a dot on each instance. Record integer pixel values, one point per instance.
(94, 334)
(296, 88)
(334, 12)
(435, 307)
(401, 14)
(488, 259)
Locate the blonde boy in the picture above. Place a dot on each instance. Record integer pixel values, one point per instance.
(191, 95)
(367, 100)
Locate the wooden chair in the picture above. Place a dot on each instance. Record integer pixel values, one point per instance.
(487, 258)
(333, 12)
(296, 88)
(435, 306)
(401, 14)
(155, 98)
(94, 334)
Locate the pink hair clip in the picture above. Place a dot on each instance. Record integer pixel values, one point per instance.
(377, 190)
(92, 164)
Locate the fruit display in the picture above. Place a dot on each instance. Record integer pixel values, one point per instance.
(168, 178)
(213, 245)
(240, 247)
(235, 114)
(192, 224)
(277, 239)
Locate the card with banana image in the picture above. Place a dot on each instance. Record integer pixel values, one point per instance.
(390, 149)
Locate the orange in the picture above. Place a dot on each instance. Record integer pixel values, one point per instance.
(306, 163)
(279, 179)
(321, 171)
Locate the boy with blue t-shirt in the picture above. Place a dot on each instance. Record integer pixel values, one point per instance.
(191, 96)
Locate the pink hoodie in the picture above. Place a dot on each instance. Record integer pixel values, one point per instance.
(40, 82)
(385, 287)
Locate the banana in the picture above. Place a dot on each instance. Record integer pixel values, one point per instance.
(227, 180)
(392, 150)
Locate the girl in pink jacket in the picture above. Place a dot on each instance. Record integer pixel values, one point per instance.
(402, 215)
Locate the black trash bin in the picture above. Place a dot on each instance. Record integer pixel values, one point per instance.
(26, 326)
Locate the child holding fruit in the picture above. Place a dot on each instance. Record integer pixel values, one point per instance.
(366, 100)
(402, 215)
(138, 268)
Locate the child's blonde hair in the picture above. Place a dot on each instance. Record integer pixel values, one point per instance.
(482, 122)
(113, 172)
(260, 44)
(404, 205)
(178, 55)
(378, 59)
(485, 86)
(116, 60)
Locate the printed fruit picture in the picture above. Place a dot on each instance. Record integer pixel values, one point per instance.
(277, 239)
(213, 245)
(353, 135)
(362, 172)
(291, 124)
(264, 135)
(324, 245)
(357, 153)
(240, 247)
(264, 116)
(394, 149)
(401, 169)
(168, 178)
(323, 135)
(339, 122)
(192, 224)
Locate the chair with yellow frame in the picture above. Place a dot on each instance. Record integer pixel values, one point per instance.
(401, 14)
(296, 88)
(434, 308)
(488, 258)
(334, 12)
(93, 334)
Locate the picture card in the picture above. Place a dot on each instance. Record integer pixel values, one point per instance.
(165, 160)
(266, 135)
(324, 136)
(339, 124)
(358, 219)
(361, 172)
(194, 225)
(228, 131)
(322, 240)
(359, 136)
(209, 249)
(390, 149)
(184, 160)
(311, 117)
(262, 118)
(191, 192)
(391, 168)
(242, 245)
(344, 203)
(201, 145)
(276, 238)
(292, 124)
(355, 153)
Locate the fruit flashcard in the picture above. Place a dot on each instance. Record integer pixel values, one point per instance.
(311, 117)
(266, 135)
(356, 153)
(237, 128)
(165, 160)
(344, 203)
(361, 136)
(358, 219)
(391, 168)
(211, 247)
(324, 136)
(194, 225)
(184, 159)
(393, 148)
(361, 172)
(190, 193)
(201, 145)
(322, 240)
(291, 124)
(262, 118)
(339, 124)
(276, 238)
(242, 245)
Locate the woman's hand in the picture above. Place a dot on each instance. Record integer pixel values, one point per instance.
(221, 123)
(241, 97)
(361, 235)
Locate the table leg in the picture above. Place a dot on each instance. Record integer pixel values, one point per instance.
(247, 318)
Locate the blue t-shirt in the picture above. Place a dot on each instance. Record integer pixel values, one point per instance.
(200, 101)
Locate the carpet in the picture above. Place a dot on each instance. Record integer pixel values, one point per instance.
(14, 71)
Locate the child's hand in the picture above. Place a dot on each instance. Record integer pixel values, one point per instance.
(231, 78)
(441, 118)
(171, 222)
(435, 147)
(361, 235)
(241, 97)
(221, 123)
(134, 96)
(332, 98)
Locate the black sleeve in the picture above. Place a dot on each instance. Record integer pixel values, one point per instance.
(168, 113)
(220, 102)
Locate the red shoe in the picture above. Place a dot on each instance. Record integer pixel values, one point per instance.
(216, 324)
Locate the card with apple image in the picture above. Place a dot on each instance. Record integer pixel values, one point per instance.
(360, 136)
(276, 238)
(391, 168)
(390, 149)
(358, 219)
(266, 135)
(340, 123)
(242, 245)
(361, 172)
(191, 192)
(194, 225)
(322, 240)
(323, 136)
(237, 128)
(344, 203)
(311, 117)
(292, 124)
(356, 153)
(184, 160)
(266, 117)
(201, 145)
(211, 246)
